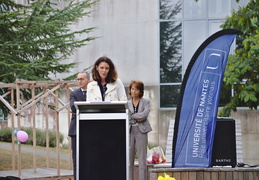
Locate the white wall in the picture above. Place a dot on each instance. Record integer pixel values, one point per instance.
(128, 32)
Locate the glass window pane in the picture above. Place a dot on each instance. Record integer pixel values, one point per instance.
(170, 51)
(170, 9)
(195, 10)
(194, 34)
(214, 26)
(219, 8)
(169, 95)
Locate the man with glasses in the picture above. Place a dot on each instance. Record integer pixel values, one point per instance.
(79, 94)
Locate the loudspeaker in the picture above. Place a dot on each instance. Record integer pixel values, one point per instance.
(224, 146)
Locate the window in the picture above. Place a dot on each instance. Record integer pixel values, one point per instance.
(184, 26)
(170, 52)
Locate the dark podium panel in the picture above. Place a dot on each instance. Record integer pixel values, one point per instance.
(224, 146)
(102, 141)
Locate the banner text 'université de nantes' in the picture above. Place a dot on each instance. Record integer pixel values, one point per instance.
(206, 100)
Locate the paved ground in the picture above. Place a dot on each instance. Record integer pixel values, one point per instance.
(29, 149)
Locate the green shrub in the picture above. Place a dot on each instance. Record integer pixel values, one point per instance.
(6, 136)
(150, 146)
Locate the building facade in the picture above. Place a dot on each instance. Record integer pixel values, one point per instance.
(153, 41)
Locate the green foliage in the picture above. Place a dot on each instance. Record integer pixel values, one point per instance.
(242, 71)
(151, 145)
(36, 37)
(6, 136)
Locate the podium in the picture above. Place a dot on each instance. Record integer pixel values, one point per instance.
(102, 140)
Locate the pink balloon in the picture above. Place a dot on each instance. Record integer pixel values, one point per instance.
(22, 136)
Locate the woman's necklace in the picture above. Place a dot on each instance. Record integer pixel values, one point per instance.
(135, 104)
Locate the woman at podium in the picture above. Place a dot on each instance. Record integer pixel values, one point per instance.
(139, 109)
(106, 86)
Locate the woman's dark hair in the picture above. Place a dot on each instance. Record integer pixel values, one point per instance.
(139, 85)
(112, 74)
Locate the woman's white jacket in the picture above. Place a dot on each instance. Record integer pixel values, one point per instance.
(115, 92)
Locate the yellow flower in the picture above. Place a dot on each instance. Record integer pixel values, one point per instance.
(167, 177)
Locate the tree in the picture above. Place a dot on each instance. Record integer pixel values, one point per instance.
(35, 37)
(242, 71)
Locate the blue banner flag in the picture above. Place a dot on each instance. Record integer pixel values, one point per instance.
(197, 106)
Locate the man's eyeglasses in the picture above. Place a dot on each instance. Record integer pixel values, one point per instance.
(80, 79)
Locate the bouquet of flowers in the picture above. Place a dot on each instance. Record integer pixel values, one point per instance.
(155, 156)
(167, 177)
